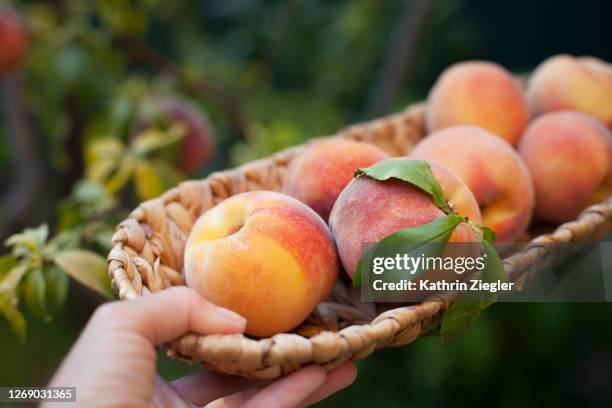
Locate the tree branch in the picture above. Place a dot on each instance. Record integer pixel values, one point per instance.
(74, 143)
(400, 54)
(23, 190)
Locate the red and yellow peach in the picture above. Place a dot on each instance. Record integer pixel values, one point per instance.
(563, 82)
(319, 173)
(492, 170)
(369, 210)
(478, 93)
(264, 255)
(569, 156)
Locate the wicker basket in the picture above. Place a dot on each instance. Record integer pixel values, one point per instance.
(147, 257)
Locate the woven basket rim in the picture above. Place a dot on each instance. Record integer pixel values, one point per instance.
(140, 264)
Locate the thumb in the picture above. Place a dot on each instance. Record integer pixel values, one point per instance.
(171, 313)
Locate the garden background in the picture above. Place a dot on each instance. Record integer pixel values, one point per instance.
(268, 75)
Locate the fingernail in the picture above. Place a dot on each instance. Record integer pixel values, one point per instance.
(231, 315)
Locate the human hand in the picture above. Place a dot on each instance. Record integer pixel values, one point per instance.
(113, 363)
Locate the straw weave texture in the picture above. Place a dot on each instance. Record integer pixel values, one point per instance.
(147, 256)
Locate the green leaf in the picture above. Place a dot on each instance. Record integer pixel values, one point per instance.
(436, 231)
(416, 172)
(88, 199)
(122, 174)
(66, 239)
(108, 162)
(8, 308)
(12, 278)
(107, 148)
(8, 300)
(39, 235)
(147, 181)
(34, 288)
(484, 233)
(463, 313)
(488, 235)
(57, 282)
(89, 192)
(154, 139)
(31, 239)
(101, 169)
(494, 269)
(86, 267)
(7, 262)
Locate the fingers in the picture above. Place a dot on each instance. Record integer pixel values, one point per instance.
(165, 395)
(235, 400)
(204, 387)
(291, 390)
(337, 379)
(169, 314)
(286, 392)
(302, 388)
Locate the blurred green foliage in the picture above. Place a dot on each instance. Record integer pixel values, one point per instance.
(269, 75)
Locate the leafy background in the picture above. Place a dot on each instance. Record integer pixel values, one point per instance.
(272, 74)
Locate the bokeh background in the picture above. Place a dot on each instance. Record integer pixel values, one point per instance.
(268, 75)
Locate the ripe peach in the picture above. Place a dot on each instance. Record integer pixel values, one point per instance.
(491, 169)
(582, 84)
(569, 156)
(478, 93)
(368, 210)
(13, 40)
(264, 255)
(197, 147)
(318, 175)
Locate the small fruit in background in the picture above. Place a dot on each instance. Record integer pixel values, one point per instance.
(569, 156)
(492, 170)
(264, 255)
(13, 40)
(563, 82)
(319, 173)
(369, 210)
(197, 147)
(478, 93)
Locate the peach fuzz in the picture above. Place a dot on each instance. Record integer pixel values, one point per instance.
(264, 255)
(368, 210)
(582, 84)
(478, 93)
(319, 173)
(491, 169)
(569, 156)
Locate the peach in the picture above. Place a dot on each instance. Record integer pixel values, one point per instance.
(13, 40)
(569, 156)
(563, 82)
(369, 210)
(318, 174)
(491, 169)
(197, 147)
(478, 93)
(264, 255)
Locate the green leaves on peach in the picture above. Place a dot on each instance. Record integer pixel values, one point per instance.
(416, 239)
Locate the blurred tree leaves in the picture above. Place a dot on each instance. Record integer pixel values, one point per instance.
(113, 164)
(87, 268)
(37, 271)
(268, 74)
